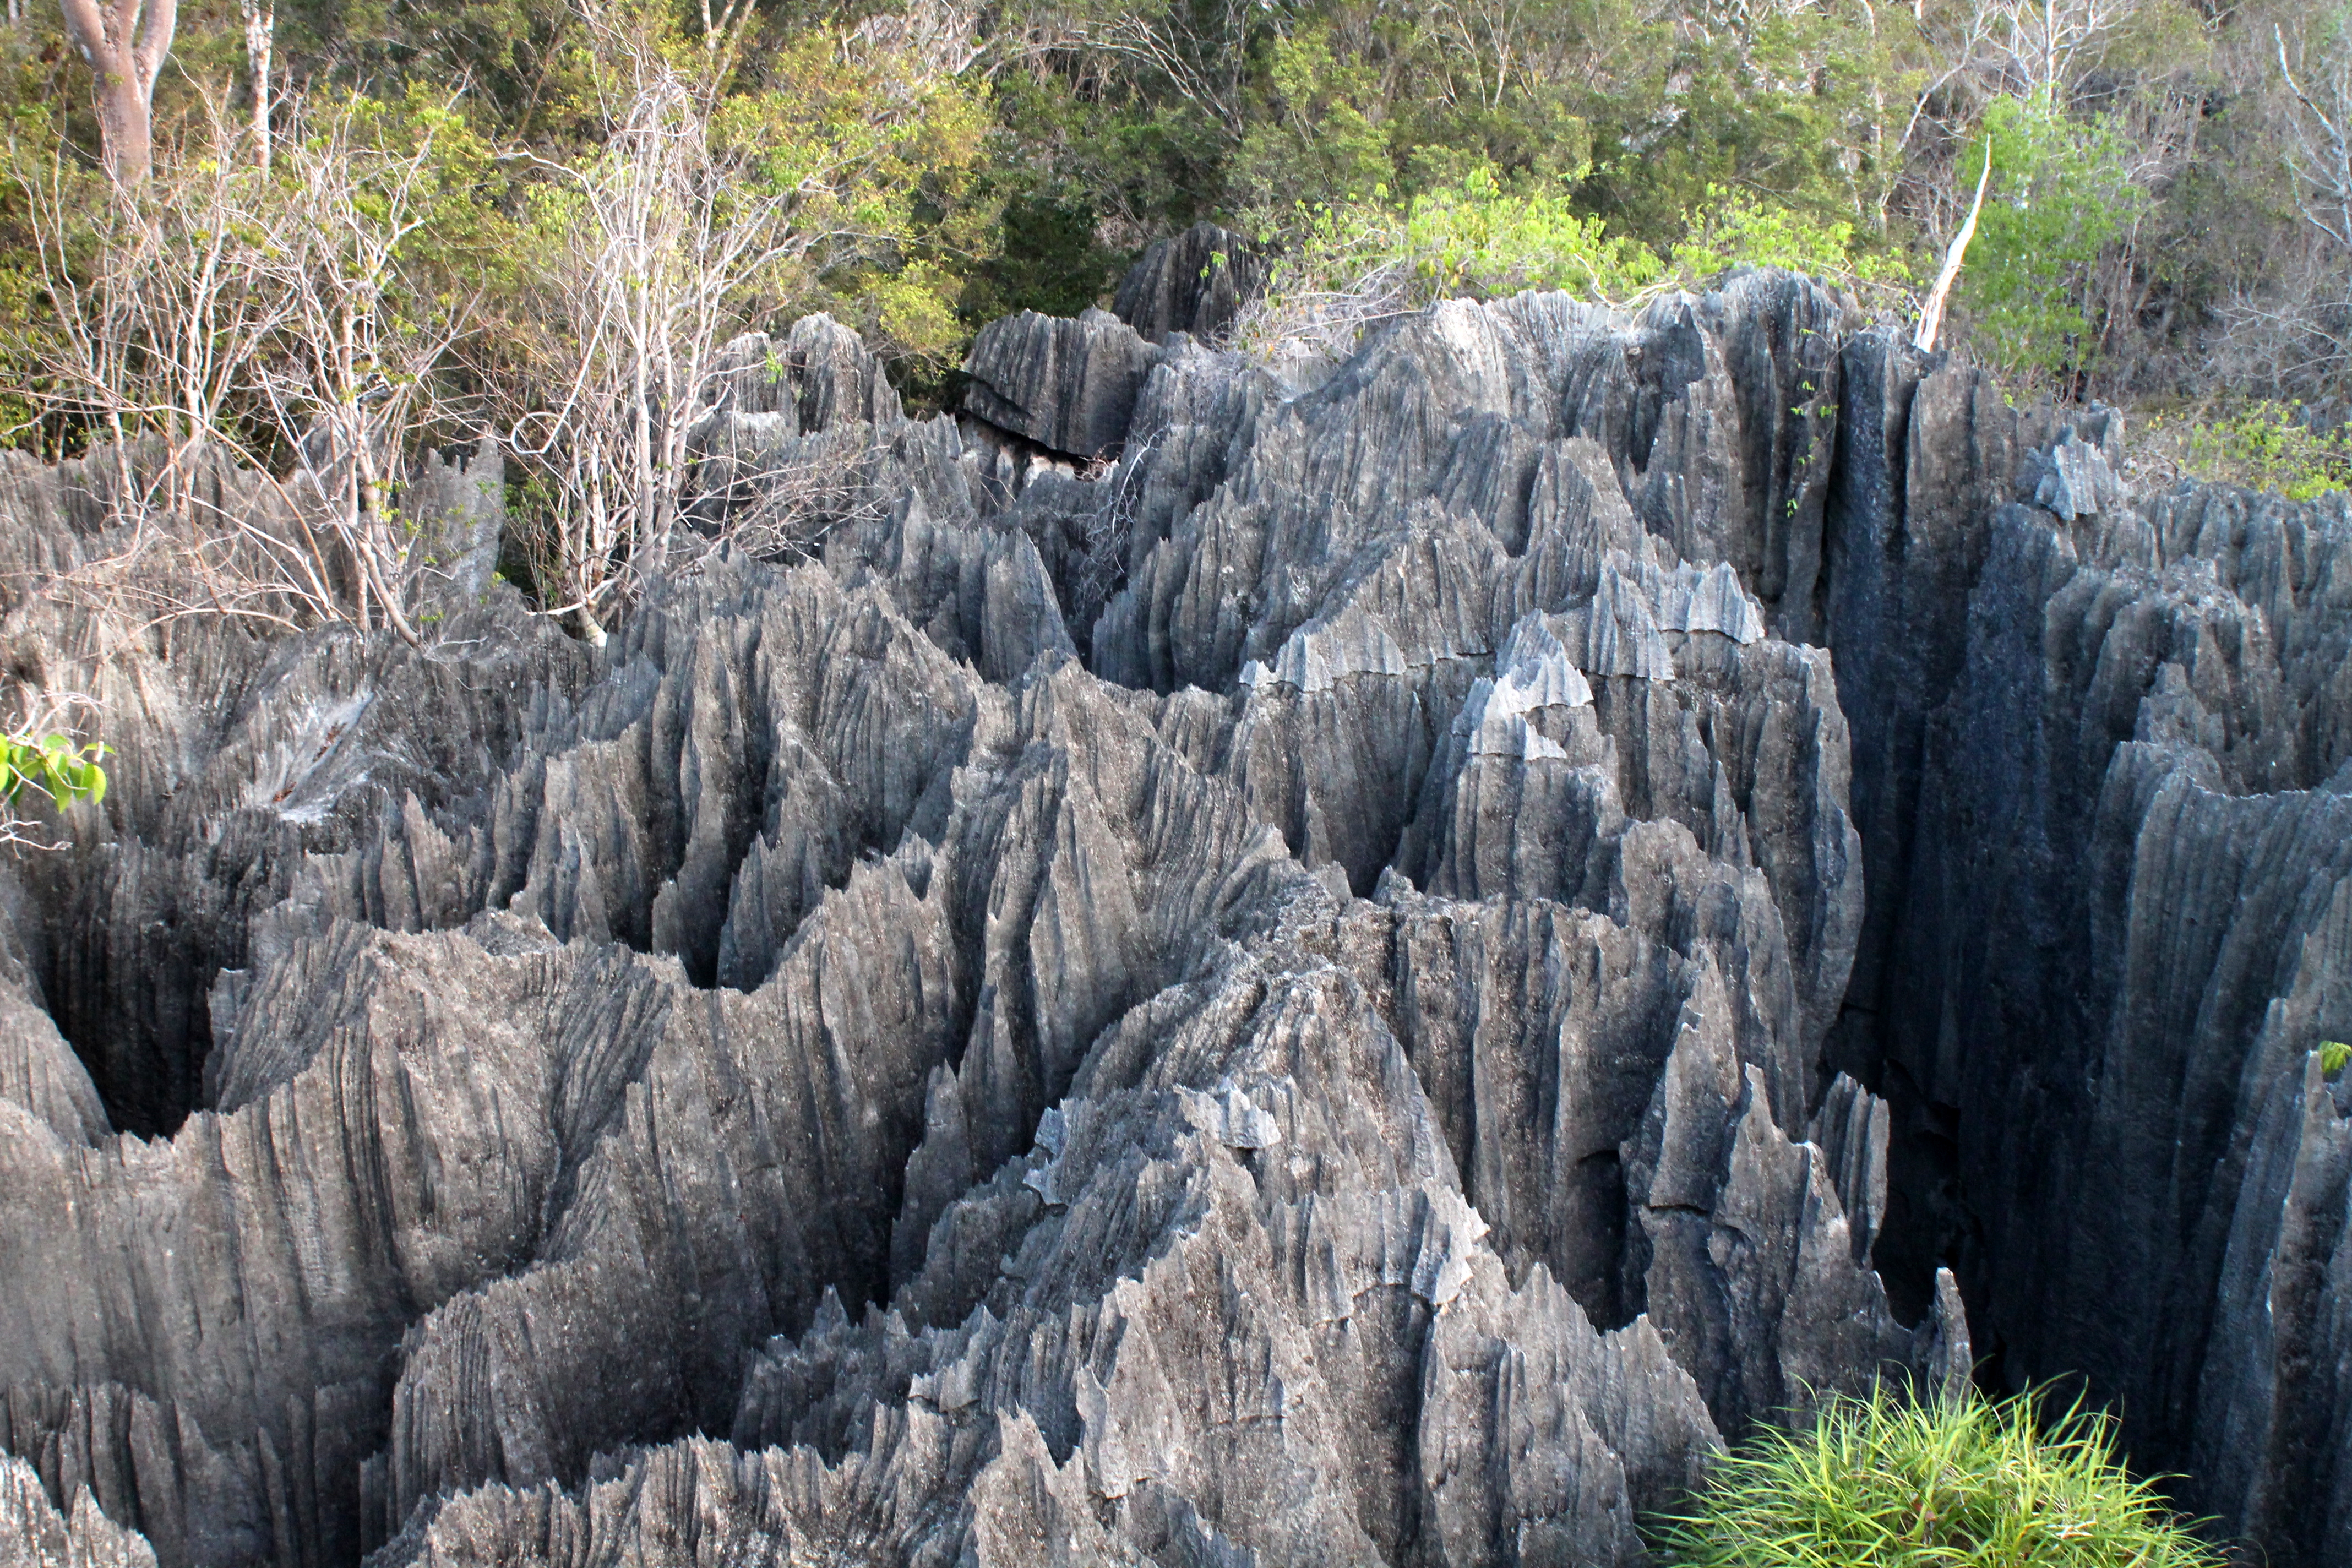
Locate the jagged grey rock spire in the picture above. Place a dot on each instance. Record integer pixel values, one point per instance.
(1202, 974)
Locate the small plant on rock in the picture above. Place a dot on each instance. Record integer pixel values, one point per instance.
(38, 765)
(53, 767)
(1966, 1483)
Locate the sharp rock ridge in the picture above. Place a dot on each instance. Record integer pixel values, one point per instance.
(1172, 968)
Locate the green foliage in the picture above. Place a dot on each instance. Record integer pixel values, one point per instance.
(2266, 446)
(52, 767)
(1604, 148)
(1358, 99)
(1338, 267)
(524, 56)
(1341, 264)
(2060, 192)
(1881, 1483)
(1046, 257)
(2332, 1056)
(1480, 239)
(1801, 106)
(1731, 229)
(885, 161)
(1322, 142)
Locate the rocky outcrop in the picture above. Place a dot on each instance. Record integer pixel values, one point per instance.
(1195, 283)
(32, 1532)
(2121, 940)
(459, 499)
(1176, 970)
(1068, 386)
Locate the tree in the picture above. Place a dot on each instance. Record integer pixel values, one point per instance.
(2317, 156)
(125, 42)
(260, 24)
(2049, 42)
(648, 252)
(2060, 192)
(703, 214)
(234, 323)
(2319, 146)
(350, 251)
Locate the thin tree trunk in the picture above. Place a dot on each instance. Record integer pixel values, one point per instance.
(125, 128)
(260, 24)
(124, 41)
(1931, 320)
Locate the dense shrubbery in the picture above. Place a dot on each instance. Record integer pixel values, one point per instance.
(2060, 194)
(2272, 446)
(1340, 266)
(1881, 1483)
(406, 219)
(2262, 443)
(2166, 174)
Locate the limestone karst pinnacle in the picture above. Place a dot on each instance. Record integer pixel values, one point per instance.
(1218, 973)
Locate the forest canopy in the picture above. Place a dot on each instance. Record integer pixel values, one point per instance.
(317, 237)
(2168, 200)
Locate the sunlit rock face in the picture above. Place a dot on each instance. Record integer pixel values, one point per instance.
(1175, 969)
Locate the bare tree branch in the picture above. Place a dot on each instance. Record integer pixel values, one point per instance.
(231, 316)
(1931, 319)
(2320, 156)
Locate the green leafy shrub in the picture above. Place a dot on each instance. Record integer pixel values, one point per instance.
(1341, 264)
(1967, 1483)
(52, 767)
(1730, 227)
(1483, 239)
(2060, 192)
(2266, 446)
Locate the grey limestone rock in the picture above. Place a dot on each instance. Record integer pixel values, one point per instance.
(819, 376)
(1068, 386)
(33, 1532)
(39, 1075)
(2108, 807)
(457, 498)
(1193, 282)
(1178, 971)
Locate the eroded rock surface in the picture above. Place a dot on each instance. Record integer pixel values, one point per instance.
(1175, 971)
(1195, 283)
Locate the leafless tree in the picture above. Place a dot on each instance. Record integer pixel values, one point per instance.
(260, 31)
(125, 42)
(251, 352)
(2289, 332)
(936, 37)
(664, 244)
(349, 387)
(158, 321)
(2049, 42)
(2319, 148)
(1956, 254)
(788, 508)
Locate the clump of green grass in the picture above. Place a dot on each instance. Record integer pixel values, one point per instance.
(1965, 1483)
